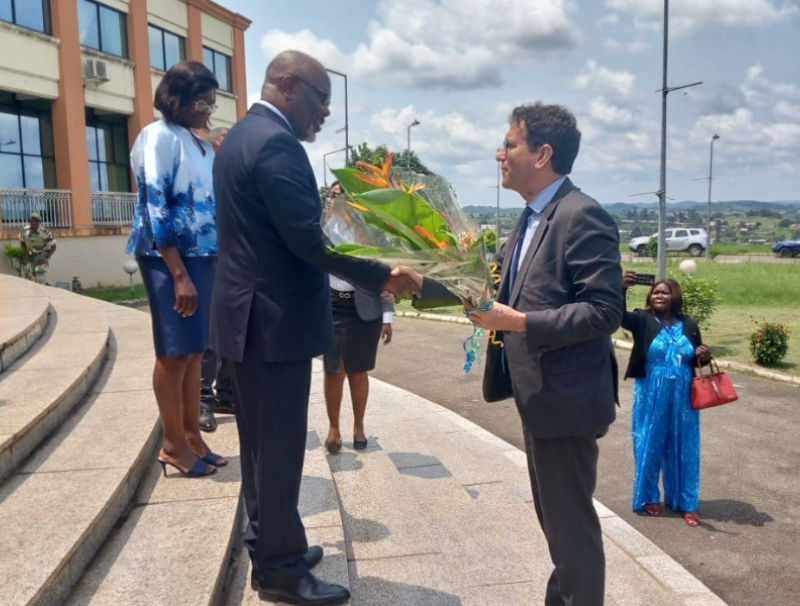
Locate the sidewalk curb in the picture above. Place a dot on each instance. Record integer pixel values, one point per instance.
(621, 344)
(655, 562)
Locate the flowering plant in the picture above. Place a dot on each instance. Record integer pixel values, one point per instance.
(419, 225)
(769, 343)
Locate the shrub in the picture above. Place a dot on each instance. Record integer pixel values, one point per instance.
(652, 247)
(699, 298)
(769, 343)
(15, 257)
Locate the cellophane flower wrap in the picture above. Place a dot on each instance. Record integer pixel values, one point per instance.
(420, 226)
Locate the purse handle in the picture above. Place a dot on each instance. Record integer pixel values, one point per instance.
(713, 367)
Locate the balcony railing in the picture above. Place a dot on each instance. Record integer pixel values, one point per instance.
(17, 204)
(112, 208)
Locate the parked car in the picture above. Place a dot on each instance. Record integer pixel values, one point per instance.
(787, 248)
(691, 239)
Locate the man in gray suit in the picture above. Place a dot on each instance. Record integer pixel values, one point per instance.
(558, 303)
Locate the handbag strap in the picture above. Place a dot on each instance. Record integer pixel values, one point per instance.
(713, 367)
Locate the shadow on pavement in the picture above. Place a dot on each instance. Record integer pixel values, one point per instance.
(737, 512)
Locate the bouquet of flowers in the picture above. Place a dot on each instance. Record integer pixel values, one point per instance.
(419, 226)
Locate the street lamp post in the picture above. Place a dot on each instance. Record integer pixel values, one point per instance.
(408, 149)
(708, 213)
(325, 163)
(662, 184)
(497, 216)
(346, 118)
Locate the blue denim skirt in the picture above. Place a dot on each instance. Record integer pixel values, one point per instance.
(174, 335)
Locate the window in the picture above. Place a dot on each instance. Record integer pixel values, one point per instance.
(27, 154)
(102, 28)
(33, 14)
(694, 232)
(681, 233)
(166, 48)
(221, 66)
(107, 145)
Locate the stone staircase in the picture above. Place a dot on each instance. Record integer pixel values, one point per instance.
(436, 511)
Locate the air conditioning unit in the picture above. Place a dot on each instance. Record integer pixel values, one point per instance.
(95, 70)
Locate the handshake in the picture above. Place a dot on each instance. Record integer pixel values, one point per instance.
(403, 282)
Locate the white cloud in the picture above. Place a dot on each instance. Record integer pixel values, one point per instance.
(686, 15)
(447, 44)
(759, 91)
(602, 80)
(786, 110)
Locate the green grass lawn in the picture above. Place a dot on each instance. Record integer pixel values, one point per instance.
(113, 294)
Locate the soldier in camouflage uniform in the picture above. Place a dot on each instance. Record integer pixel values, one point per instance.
(38, 245)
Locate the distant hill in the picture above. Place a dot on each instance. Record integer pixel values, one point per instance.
(731, 206)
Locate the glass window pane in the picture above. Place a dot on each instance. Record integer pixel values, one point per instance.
(46, 127)
(91, 142)
(31, 144)
(172, 45)
(120, 145)
(30, 13)
(208, 58)
(103, 176)
(5, 10)
(9, 132)
(87, 20)
(118, 178)
(112, 26)
(34, 176)
(94, 177)
(156, 48)
(105, 142)
(10, 170)
(49, 170)
(221, 71)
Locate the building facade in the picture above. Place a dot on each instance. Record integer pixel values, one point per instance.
(77, 79)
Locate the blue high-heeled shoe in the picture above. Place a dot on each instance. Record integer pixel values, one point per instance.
(212, 458)
(198, 470)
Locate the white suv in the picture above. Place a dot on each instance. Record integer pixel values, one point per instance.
(679, 239)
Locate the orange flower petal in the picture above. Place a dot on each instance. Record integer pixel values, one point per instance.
(360, 207)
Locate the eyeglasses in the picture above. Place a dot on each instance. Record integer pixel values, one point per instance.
(323, 95)
(205, 108)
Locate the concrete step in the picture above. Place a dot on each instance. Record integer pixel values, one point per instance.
(62, 501)
(22, 322)
(42, 387)
(174, 548)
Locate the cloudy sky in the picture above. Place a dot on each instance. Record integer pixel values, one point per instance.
(459, 66)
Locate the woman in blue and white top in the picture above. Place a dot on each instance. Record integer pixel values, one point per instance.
(174, 239)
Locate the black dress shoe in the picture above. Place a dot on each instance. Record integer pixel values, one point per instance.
(208, 422)
(224, 407)
(308, 591)
(312, 557)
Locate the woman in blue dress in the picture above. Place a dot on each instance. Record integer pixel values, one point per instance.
(666, 429)
(174, 239)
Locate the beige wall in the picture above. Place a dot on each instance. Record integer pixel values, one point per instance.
(94, 259)
(168, 14)
(117, 94)
(217, 34)
(120, 5)
(28, 62)
(226, 112)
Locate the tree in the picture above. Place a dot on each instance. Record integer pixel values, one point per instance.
(490, 240)
(412, 162)
(784, 223)
(636, 232)
(365, 153)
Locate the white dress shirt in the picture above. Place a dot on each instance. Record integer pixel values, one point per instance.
(537, 206)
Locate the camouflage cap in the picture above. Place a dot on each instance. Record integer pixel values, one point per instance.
(35, 215)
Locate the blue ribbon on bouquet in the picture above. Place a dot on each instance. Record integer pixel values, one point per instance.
(472, 347)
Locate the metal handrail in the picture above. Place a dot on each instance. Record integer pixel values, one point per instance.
(113, 208)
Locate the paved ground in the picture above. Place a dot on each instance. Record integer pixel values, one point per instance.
(746, 549)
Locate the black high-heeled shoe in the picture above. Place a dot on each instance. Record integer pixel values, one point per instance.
(360, 444)
(199, 470)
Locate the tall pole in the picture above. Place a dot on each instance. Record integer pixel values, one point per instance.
(346, 118)
(662, 181)
(408, 148)
(708, 213)
(497, 235)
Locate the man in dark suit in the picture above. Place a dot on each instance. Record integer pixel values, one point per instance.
(558, 303)
(271, 312)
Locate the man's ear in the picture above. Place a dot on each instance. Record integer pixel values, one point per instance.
(544, 156)
(287, 87)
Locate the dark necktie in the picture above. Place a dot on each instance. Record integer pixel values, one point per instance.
(523, 227)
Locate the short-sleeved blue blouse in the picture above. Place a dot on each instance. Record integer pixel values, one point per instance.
(175, 203)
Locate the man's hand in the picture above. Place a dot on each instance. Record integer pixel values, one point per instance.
(402, 282)
(386, 333)
(499, 317)
(185, 296)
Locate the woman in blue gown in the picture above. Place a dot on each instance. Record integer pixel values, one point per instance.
(666, 430)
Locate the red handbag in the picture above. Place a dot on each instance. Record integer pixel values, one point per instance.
(712, 389)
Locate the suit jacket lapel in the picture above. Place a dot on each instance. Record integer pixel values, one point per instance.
(502, 291)
(538, 236)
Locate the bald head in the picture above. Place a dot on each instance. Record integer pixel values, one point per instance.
(298, 85)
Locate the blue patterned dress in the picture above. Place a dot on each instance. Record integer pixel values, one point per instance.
(666, 429)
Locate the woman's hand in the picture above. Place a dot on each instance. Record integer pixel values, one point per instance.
(185, 296)
(703, 353)
(386, 333)
(629, 279)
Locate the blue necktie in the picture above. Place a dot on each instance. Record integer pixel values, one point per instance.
(523, 228)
